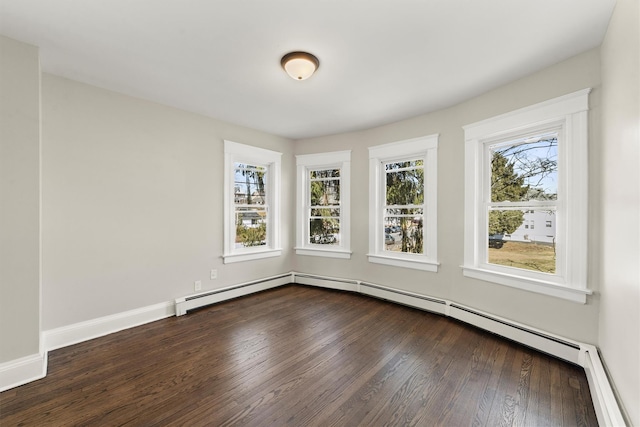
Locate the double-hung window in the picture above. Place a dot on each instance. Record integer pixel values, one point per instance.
(323, 214)
(252, 188)
(402, 203)
(522, 168)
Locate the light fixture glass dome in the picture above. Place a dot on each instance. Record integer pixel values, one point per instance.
(300, 65)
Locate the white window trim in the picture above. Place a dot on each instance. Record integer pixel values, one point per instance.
(425, 147)
(571, 113)
(305, 163)
(235, 152)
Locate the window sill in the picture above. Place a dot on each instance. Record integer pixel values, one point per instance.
(424, 265)
(249, 256)
(329, 253)
(531, 285)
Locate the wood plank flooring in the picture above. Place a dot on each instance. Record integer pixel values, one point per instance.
(302, 356)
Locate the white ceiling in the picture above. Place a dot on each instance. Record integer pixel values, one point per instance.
(380, 60)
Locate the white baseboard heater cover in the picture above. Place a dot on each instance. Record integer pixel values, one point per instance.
(434, 305)
(542, 341)
(184, 304)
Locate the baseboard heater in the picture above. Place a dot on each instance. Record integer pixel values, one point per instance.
(540, 340)
(434, 305)
(192, 302)
(326, 282)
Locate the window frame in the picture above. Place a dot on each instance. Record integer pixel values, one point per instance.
(305, 163)
(425, 148)
(569, 113)
(241, 153)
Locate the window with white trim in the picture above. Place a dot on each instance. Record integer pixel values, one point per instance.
(323, 205)
(523, 166)
(252, 201)
(402, 203)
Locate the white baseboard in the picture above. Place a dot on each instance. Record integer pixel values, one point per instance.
(30, 368)
(84, 331)
(604, 400)
(22, 371)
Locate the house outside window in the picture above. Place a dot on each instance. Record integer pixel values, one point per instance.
(540, 236)
(523, 167)
(323, 204)
(402, 203)
(252, 189)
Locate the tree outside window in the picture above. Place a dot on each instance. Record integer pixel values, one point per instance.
(404, 208)
(324, 211)
(523, 186)
(251, 208)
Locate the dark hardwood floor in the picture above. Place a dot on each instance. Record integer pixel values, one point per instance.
(302, 356)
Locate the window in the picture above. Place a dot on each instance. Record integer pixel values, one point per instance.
(323, 204)
(252, 198)
(402, 203)
(524, 167)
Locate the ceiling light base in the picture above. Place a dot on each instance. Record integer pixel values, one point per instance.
(300, 65)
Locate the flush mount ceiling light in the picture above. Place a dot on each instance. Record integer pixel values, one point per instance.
(299, 65)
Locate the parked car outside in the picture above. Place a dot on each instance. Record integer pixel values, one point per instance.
(495, 241)
(389, 239)
(323, 240)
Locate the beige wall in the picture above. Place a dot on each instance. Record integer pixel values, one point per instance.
(19, 200)
(133, 202)
(566, 318)
(619, 277)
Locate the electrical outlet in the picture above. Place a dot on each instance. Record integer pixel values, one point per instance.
(197, 285)
(214, 274)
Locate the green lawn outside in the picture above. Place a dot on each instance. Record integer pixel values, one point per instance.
(529, 256)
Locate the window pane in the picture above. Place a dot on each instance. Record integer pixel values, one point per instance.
(407, 212)
(526, 169)
(403, 230)
(404, 164)
(249, 185)
(251, 227)
(515, 242)
(324, 231)
(404, 183)
(326, 212)
(324, 223)
(325, 193)
(325, 173)
(404, 234)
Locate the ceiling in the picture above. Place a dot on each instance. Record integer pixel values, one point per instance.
(380, 60)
